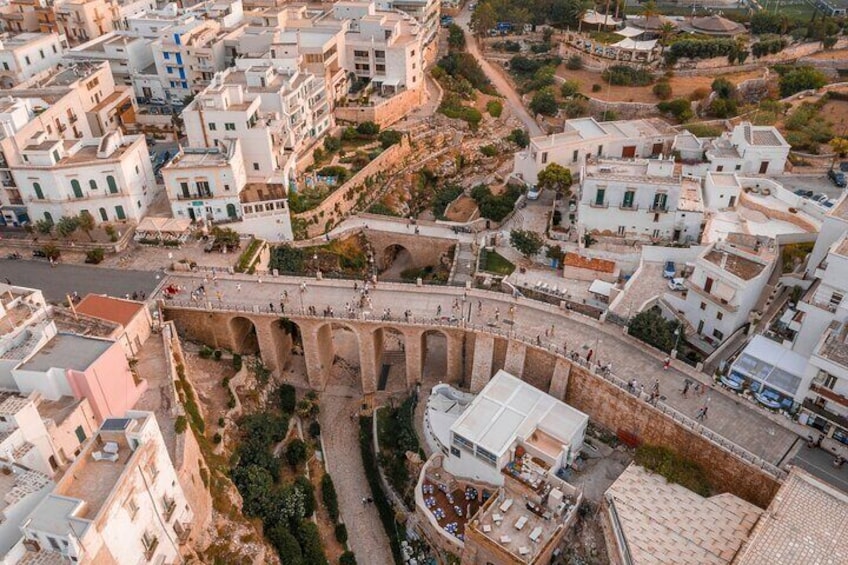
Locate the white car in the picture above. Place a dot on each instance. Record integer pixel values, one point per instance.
(533, 193)
(676, 284)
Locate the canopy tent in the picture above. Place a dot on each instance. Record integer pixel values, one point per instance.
(630, 31)
(632, 45)
(595, 19)
(163, 228)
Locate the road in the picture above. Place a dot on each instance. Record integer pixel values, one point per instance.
(533, 320)
(61, 280)
(498, 81)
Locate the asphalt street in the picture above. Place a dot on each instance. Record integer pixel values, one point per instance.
(62, 279)
(819, 462)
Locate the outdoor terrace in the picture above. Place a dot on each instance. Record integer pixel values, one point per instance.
(835, 344)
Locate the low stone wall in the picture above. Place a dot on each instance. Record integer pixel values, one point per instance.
(384, 113)
(356, 193)
(773, 214)
(37, 242)
(791, 53)
(618, 410)
(623, 110)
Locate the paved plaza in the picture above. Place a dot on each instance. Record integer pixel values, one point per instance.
(746, 426)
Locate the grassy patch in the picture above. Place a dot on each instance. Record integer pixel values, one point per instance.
(605, 37)
(493, 262)
(703, 130)
(674, 468)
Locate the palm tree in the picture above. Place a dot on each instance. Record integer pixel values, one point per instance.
(666, 31)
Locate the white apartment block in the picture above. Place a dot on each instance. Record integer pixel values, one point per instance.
(187, 56)
(426, 12)
(27, 54)
(747, 149)
(383, 47)
(80, 101)
(22, 489)
(584, 138)
(205, 184)
(725, 286)
(119, 503)
(642, 199)
(17, 16)
(84, 20)
(127, 55)
(110, 178)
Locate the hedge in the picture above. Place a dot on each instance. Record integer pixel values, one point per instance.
(372, 475)
(329, 496)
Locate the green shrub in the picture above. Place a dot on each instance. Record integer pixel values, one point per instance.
(237, 362)
(217, 354)
(329, 497)
(368, 128)
(296, 452)
(94, 256)
(489, 150)
(341, 533)
(347, 558)
(314, 429)
(494, 108)
(544, 102)
(246, 260)
(596, 87)
(569, 88)
(574, 63)
(287, 398)
(444, 196)
(493, 207)
(519, 137)
(205, 352)
(389, 137)
(801, 78)
(675, 468)
(680, 108)
(625, 75)
(650, 326)
(180, 424)
(662, 90)
(310, 543)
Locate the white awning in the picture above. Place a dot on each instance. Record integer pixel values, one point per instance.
(594, 18)
(603, 288)
(630, 31)
(636, 45)
(387, 81)
(163, 225)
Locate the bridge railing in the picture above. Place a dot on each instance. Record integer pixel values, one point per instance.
(494, 329)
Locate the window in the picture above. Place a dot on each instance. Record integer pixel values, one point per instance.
(80, 433)
(56, 155)
(166, 55)
(255, 166)
(829, 381)
(152, 470)
(75, 186)
(719, 315)
(599, 197)
(621, 231)
(203, 188)
(738, 167)
(38, 192)
(54, 49)
(360, 53)
(836, 299)
(718, 335)
(131, 506)
(113, 186)
(462, 442)
(5, 66)
(720, 168)
(708, 284)
(103, 215)
(227, 187)
(92, 184)
(41, 52)
(544, 157)
(380, 54)
(54, 543)
(660, 201)
(26, 58)
(575, 156)
(184, 189)
(230, 126)
(703, 305)
(119, 212)
(628, 199)
(212, 126)
(380, 68)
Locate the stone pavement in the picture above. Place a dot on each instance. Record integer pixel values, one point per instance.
(728, 416)
(340, 436)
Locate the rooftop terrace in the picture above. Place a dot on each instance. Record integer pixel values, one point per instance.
(67, 351)
(735, 264)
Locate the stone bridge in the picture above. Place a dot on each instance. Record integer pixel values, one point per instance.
(423, 251)
(479, 332)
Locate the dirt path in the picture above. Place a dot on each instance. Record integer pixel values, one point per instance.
(366, 536)
(498, 81)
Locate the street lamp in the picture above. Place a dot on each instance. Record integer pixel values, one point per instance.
(677, 333)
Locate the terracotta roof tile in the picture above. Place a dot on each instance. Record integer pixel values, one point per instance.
(115, 310)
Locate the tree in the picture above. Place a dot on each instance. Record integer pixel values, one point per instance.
(723, 87)
(574, 63)
(666, 31)
(544, 102)
(680, 108)
(519, 137)
(368, 128)
(67, 225)
(650, 326)
(296, 452)
(662, 90)
(347, 558)
(285, 543)
(329, 497)
(456, 37)
(801, 78)
(287, 398)
(483, 19)
(554, 252)
(389, 137)
(569, 88)
(85, 222)
(555, 177)
(839, 145)
(44, 227)
(310, 543)
(526, 242)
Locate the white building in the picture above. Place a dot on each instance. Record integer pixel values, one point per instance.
(110, 178)
(425, 12)
(120, 502)
(127, 55)
(584, 138)
(510, 415)
(747, 149)
(641, 199)
(187, 55)
(725, 286)
(21, 489)
(385, 48)
(25, 55)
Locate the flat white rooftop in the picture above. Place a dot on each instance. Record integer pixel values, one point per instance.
(508, 408)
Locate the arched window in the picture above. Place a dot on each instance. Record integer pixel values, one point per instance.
(113, 186)
(75, 186)
(92, 184)
(48, 217)
(38, 192)
(103, 215)
(231, 211)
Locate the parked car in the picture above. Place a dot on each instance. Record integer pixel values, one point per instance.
(533, 193)
(669, 270)
(843, 166)
(819, 198)
(837, 178)
(828, 203)
(676, 284)
(804, 193)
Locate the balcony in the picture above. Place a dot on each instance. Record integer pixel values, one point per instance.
(595, 204)
(658, 209)
(73, 118)
(62, 127)
(629, 208)
(828, 394)
(207, 196)
(150, 548)
(183, 531)
(724, 304)
(170, 506)
(825, 413)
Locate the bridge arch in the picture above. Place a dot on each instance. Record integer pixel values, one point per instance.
(391, 348)
(395, 258)
(434, 355)
(243, 336)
